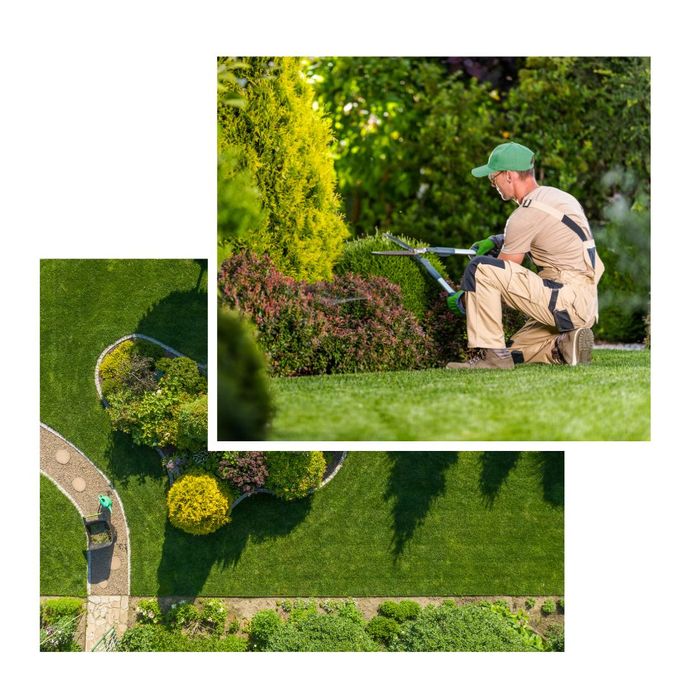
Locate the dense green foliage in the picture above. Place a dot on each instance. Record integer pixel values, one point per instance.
(199, 503)
(244, 406)
(449, 627)
(166, 412)
(293, 474)
(58, 623)
(418, 290)
(339, 628)
(269, 129)
(158, 638)
(409, 132)
(402, 611)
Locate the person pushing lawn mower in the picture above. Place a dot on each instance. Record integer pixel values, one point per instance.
(561, 301)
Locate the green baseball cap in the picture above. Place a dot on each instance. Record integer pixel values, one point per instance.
(507, 156)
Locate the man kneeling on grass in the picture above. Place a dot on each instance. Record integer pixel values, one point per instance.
(561, 301)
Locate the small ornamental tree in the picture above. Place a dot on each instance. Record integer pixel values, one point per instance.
(293, 474)
(199, 503)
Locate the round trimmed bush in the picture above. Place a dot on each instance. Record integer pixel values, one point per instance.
(401, 612)
(293, 474)
(263, 626)
(383, 630)
(418, 291)
(198, 503)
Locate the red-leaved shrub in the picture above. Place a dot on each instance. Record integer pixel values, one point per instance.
(348, 325)
(245, 471)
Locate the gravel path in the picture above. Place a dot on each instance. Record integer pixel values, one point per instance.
(82, 482)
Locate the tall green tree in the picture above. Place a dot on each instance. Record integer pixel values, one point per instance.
(269, 127)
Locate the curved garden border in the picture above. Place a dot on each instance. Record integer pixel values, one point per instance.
(167, 348)
(139, 336)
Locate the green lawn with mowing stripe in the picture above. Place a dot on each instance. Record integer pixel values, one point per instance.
(606, 400)
(63, 558)
(389, 524)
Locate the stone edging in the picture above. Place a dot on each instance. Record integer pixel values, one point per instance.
(116, 495)
(139, 336)
(329, 478)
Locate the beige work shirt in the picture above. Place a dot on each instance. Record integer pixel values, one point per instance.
(553, 246)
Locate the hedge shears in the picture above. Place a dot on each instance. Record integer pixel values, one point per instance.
(454, 300)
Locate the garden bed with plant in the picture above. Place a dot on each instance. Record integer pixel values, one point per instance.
(343, 625)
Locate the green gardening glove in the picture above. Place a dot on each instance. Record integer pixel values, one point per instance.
(483, 247)
(455, 303)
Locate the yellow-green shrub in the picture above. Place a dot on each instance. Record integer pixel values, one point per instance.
(293, 474)
(284, 144)
(198, 503)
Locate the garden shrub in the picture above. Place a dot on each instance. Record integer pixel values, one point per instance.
(449, 627)
(292, 475)
(337, 630)
(348, 325)
(59, 620)
(400, 611)
(244, 405)
(149, 612)
(549, 607)
(191, 420)
(554, 637)
(383, 629)
(244, 471)
(158, 638)
(199, 503)
(283, 142)
(262, 627)
(130, 365)
(151, 418)
(418, 289)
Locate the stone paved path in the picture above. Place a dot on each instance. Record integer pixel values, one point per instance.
(108, 569)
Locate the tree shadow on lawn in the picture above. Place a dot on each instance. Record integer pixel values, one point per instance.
(127, 460)
(180, 321)
(496, 466)
(187, 560)
(416, 480)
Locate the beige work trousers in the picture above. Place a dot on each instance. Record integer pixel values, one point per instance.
(553, 308)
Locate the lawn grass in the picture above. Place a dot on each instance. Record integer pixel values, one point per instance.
(63, 562)
(606, 400)
(85, 306)
(389, 524)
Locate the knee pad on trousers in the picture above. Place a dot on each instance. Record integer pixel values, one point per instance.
(468, 283)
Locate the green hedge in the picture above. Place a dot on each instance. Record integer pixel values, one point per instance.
(292, 475)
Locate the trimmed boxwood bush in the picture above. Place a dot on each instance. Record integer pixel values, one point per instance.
(59, 620)
(341, 628)
(418, 290)
(383, 630)
(198, 503)
(400, 611)
(293, 474)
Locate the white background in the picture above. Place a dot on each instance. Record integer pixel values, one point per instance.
(108, 150)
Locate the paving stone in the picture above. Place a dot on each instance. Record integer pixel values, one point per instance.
(116, 564)
(62, 456)
(79, 484)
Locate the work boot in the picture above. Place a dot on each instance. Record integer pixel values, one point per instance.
(487, 358)
(575, 347)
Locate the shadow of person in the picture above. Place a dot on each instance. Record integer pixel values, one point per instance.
(187, 560)
(415, 481)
